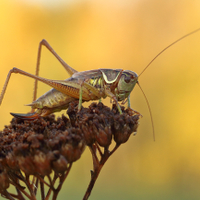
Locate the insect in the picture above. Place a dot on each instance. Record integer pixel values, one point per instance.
(85, 86)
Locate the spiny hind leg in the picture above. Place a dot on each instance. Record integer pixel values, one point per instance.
(14, 70)
(55, 84)
(5, 85)
(69, 69)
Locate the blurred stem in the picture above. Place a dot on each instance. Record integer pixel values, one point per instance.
(19, 188)
(20, 196)
(35, 185)
(97, 166)
(42, 190)
(33, 197)
(98, 148)
(7, 195)
(51, 183)
(42, 180)
(62, 179)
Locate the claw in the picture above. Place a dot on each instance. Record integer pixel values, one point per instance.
(28, 116)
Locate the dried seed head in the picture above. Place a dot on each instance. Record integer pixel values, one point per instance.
(99, 124)
(123, 126)
(12, 161)
(44, 145)
(43, 163)
(30, 146)
(26, 164)
(72, 152)
(60, 165)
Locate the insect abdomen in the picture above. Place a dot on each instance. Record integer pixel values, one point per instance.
(52, 99)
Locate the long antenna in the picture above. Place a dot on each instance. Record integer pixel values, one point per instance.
(168, 47)
(151, 116)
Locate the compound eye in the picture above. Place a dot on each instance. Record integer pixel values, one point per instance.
(127, 79)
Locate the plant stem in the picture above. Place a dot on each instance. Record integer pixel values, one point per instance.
(97, 166)
(62, 179)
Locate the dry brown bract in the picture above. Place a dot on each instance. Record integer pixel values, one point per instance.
(31, 150)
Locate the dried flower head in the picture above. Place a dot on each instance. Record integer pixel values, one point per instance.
(100, 124)
(47, 145)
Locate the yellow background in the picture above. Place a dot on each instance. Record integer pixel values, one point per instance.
(117, 34)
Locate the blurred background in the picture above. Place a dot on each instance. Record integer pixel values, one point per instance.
(117, 34)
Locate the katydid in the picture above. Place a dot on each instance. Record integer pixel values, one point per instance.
(83, 86)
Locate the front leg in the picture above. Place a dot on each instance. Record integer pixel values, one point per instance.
(113, 97)
(69, 69)
(132, 110)
(80, 97)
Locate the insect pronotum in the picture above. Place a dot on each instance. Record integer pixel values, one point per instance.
(85, 86)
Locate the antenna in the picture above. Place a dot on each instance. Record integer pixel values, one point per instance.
(150, 64)
(151, 116)
(168, 48)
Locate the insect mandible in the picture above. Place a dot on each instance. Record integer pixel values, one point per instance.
(84, 86)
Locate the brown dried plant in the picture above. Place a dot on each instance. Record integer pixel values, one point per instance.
(35, 155)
